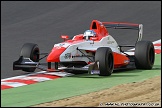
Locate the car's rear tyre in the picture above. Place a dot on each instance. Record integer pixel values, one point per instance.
(30, 50)
(104, 57)
(144, 55)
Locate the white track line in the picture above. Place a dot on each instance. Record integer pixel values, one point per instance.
(22, 76)
(13, 84)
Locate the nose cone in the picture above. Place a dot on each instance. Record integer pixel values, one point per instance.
(54, 55)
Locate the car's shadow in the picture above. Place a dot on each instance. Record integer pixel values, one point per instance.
(114, 74)
(84, 74)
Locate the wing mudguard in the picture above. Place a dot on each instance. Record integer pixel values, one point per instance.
(24, 63)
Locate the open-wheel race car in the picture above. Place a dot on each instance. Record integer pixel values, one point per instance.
(95, 51)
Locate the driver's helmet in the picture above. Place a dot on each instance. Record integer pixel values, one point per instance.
(89, 33)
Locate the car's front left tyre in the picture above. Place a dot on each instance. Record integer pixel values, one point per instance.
(104, 57)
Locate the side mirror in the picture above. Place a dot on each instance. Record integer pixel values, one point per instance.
(94, 38)
(65, 37)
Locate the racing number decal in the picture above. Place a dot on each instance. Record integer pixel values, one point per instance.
(67, 56)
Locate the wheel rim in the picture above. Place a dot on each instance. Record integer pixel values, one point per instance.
(151, 56)
(110, 60)
(36, 55)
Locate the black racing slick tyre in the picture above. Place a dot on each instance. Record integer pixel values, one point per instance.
(144, 55)
(104, 57)
(30, 50)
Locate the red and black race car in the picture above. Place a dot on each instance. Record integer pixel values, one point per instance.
(95, 51)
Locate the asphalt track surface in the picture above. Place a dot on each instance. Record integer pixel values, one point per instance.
(43, 22)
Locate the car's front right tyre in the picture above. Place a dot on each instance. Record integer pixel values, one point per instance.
(30, 50)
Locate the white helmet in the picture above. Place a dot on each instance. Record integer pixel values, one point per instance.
(89, 33)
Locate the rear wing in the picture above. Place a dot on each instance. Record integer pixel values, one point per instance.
(119, 25)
